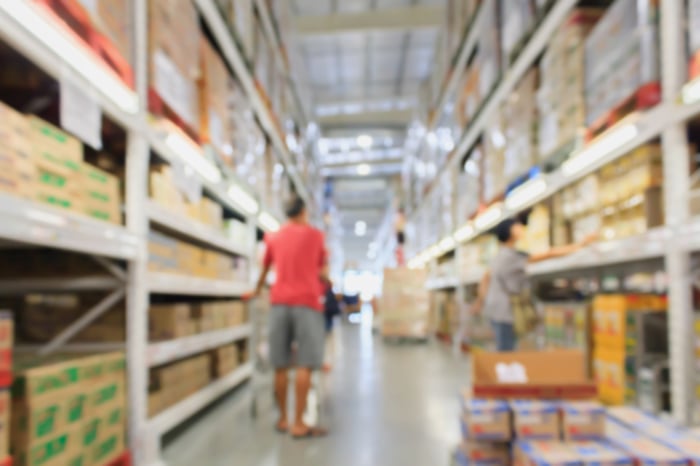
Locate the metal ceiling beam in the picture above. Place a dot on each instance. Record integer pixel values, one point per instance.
(390, 118)
(402, 18)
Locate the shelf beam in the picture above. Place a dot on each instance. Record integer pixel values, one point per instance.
(402, 18)
(163, 352)
(368, 119)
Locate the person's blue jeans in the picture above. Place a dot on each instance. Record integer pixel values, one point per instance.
(504, 334)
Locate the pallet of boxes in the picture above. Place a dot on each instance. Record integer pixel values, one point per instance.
(405, 305)
(539, 408)
(68, 411)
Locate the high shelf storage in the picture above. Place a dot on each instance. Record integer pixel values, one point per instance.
(179, 254)
(644, 120)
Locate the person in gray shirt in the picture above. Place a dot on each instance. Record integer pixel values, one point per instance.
(507, 276)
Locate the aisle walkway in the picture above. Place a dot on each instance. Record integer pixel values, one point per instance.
(388, 405)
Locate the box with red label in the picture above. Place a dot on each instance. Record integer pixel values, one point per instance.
(486, 420)
(643, 449)
(600, 454)
(483, 453)
(543, 452)
(582, 420)
(535, 420)
(6, 342)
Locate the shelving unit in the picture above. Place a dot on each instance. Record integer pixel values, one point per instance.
(123, 250)
(670, 244)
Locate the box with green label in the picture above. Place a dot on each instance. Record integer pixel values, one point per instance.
(101, 195)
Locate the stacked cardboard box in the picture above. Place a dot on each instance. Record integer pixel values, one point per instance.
(537, 238)
(615, 339)
(568, 325)
(111, 17)
(519, 117)
(517, 20)
(494, 143)
(174, 57)
(224, 360)
(213, 99)
(168, 255)
(17, 171)
(405, 303)
(621, 54)
(170, 321)
(175, 382)
(101, 194)
(69, 411)
(560, 97)
(460, 14)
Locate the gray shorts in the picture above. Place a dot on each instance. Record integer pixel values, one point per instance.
(298, 324)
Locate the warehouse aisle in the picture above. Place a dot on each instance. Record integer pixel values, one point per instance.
(388, 405)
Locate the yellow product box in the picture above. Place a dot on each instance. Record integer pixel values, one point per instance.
(610, 316)
(52, 145)
(610, 376)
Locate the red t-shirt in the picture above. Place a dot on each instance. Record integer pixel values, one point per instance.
(298, 254)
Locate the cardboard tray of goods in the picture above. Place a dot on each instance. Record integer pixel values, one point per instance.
(553, 374)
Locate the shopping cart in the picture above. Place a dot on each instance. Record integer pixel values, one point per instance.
(262, 378)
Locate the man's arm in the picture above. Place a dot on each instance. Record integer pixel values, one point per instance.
(262, 279)
(561, 251)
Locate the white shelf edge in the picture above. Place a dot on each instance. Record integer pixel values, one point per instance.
(165, 283)
(31, 222)
(192, 228)
(175, 415)
(163, 352)
(232, 55)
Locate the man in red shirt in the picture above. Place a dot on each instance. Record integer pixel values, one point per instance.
(297, 252)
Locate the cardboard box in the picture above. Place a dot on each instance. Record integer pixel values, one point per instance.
(5, 423)
(647, 451)
(525, 374)
(582, 420)
(485, 420)
(169, 321)
(477, 453)
(554, 453)
(535, 420)
(600, 454)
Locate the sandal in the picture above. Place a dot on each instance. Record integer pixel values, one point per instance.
(311, 432)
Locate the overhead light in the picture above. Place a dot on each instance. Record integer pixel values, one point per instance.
(464, 233)
(268, 222)
(526, 193)
(601, 147)
(691, 92)
(489, 218)
(446, 244)
(192, 156)
(360, 228)
(243, 199)
(365, 141)
(363, 169)
(73, 53)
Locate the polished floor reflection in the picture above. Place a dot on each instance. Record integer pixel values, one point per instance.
(386, 405)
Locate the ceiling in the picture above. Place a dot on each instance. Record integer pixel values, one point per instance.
(364, 62)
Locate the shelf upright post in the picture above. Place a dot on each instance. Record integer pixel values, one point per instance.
(144, 446)
(676, 189)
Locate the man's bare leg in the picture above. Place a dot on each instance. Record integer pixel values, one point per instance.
(302, 386)
(281, 387)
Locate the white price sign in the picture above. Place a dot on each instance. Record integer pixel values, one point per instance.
(80, 114)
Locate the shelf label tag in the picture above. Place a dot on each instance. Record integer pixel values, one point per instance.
(81, 114)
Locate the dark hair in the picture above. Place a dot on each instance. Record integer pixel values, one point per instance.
(503, 230)
(294, 207)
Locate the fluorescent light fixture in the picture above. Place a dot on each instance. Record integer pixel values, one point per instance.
(360, 228)
(363, 169)
(268, 222)
(691, 92)
(465, 233)
(365, 141)
(601, 147)
(192, 156)
(526, 193)
(243, 199)
(73, 53)
(489, 218)
(446, 244)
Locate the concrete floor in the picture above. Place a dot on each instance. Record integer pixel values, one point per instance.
(385, 404)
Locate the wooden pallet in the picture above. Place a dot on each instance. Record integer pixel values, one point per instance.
(159, 109)
(73, 17)
(644, 97)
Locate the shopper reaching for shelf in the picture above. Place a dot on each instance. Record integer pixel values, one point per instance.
(504, 291)
(298, 254)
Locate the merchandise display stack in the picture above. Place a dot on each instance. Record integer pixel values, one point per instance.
(405, 304)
